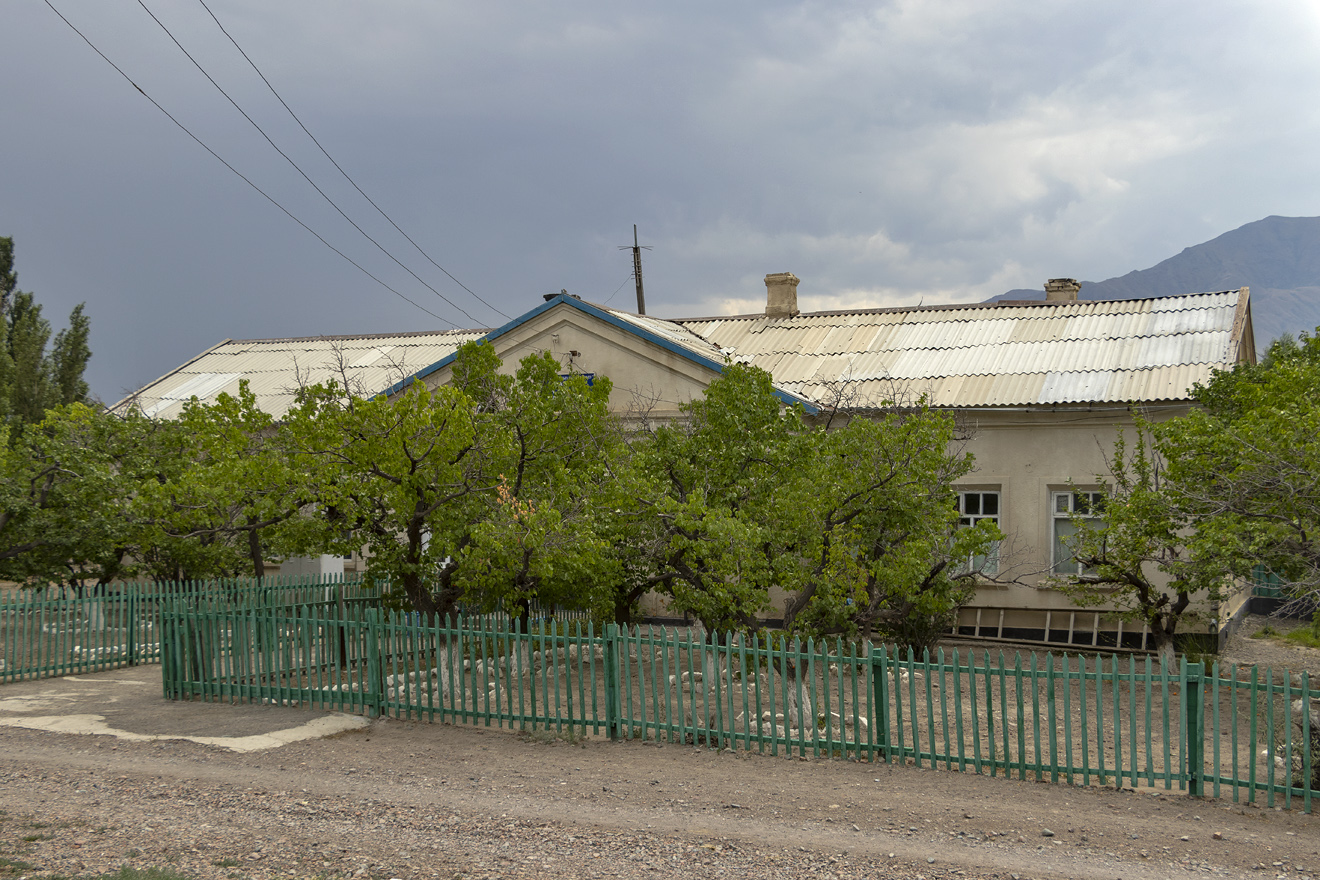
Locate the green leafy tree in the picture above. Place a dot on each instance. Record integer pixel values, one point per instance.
(64, 494)
(882, 545)
(1138, 549)
(550, 446)
(391, 473)
(32, 379)
(1246, 464)
(235, 495)
(722, 537)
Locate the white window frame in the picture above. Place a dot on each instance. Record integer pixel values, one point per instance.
(1090, 503)
(967, 520)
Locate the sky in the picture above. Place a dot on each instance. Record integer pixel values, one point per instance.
(885, 153)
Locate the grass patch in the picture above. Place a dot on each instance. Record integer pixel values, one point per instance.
(226, 863)
(1307, 638)
(553, 737)
(127, 873)
(14, 867)
(33, 838)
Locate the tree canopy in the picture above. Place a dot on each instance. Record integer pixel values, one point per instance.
(1247, 463)
(511, 491)
(36, 376)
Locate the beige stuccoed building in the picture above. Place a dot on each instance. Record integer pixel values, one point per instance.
(1044, 387)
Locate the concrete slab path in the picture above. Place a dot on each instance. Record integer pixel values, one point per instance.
(127, 703)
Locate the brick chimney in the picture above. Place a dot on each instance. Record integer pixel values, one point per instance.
(1062, 290)
(781, 295)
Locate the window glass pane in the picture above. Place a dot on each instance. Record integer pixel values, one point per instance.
(1063, 556)
(1061, 502)
(1081, 502)
(990, 504)
(971, 502)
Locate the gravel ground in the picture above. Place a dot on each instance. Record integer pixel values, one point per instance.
(418, 801)
(1244, 650)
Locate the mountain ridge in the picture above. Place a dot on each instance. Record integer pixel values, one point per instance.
(1278, 258)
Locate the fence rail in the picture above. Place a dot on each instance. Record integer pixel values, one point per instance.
(57, 631)
(1090, 721)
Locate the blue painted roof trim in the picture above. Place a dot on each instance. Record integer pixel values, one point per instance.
(602, 315)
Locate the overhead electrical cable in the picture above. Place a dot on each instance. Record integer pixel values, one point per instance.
(296, 167)
(240, 174)
(326, 153)
(617, 289)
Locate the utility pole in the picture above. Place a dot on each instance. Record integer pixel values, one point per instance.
(637, 269)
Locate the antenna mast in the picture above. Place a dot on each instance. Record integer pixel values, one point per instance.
(637, 269)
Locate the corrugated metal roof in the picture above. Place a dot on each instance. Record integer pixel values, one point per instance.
(1090, 351)
(1112, 351)
(274, 368)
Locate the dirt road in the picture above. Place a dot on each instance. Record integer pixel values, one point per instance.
(403, 800)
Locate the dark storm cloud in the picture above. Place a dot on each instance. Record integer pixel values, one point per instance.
(883, 152)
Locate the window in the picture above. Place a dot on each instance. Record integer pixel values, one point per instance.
(972, 508)
(1065, 504)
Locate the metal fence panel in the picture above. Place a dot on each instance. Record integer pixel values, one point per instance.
(1115, 721)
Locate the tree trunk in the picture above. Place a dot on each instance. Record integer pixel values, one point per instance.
(254, 551)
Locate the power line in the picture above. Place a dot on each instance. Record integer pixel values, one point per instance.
(240, 175)
(296, 167)
(326, 153)
(617, 289)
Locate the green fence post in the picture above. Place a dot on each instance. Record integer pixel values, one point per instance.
(612, 681)
(880, 699)
(1194, 725)
(374, 686)
(130, 618)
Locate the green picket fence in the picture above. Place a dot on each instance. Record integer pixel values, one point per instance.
(1123, 722)
(55, 631)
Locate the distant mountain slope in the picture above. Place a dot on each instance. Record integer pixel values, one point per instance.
(1278, 258)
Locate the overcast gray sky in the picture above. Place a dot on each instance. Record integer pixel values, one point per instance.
(883, 152)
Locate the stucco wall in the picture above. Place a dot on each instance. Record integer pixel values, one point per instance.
(644, 375)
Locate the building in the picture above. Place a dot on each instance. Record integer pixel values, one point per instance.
(1045, 386)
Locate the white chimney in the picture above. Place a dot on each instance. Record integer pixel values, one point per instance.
(781, 295)
(1062, 290)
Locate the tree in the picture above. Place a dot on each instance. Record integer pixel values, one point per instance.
(551, 446)
(1246, 464)
(33, 380)
(235, 494)
(883, 546)
(1137, 547)
(391, 473)
(64, 490)
(717, 479)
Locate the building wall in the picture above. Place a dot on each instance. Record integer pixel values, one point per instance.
(644, 375)
(1028, 456)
